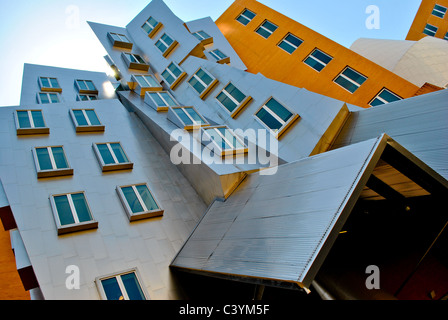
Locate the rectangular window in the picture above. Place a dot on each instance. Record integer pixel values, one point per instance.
(51, 162)
(232, 99)
(160, 100)
(245, 17)
(86, 87)
(111, 156)
(385, 96)
(49, 84)
(86, 120)
(318, 60)
(275, 117)
(188, 118)
(220, 56)
(430, 30)
(134, 61)
(290, 43)
(173, 75)
(203, 36)
(48, 97)
(86, 97)
(119, 41)
(350, 79)
(166, 44)
(123, 286)
(202, 82)
(72, 212)
(266, 29)
(30, 122)
(446, 36)
(139, 203)
(151, 26)
(439, 11)
(224, 140)
(146, 83)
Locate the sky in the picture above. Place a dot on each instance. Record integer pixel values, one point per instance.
(56, 33)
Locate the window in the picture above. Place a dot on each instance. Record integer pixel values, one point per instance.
(439, 11)
(173, 75)
(204, 37)
(30, 122)
(138, 202)
(134, 61)
(86, 120)
(275, 117)
(446, 36)
(146, 83)
(232, 99)
(290, 43)
(430, 30)
(122, 286)
(385, 96)
(86, 97)
(112, 156)
(151, 26)
(318, 60)
(266, 29)
(48, 97)
(220, 56)
(49, 84)
(246, 17)
(350, 79)
(187, 118)
(86, 87)
(166, 44)
(51, 162)
(119, 40)
(161, 100)
(202, 82)
(72, 212)
(225, 140)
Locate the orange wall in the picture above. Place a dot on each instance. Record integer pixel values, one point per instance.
(11, 287)
(264, 56)
(424, 16)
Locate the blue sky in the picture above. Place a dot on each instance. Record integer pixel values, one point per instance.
(55, 32)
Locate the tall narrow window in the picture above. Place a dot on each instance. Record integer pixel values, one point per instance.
(30, 122)
(350, 79)
(48, 97)
(86, 87)
(266, 29)
(385, 96)
(151, 26)
(86, 120)
(439, 11)
(173, 75)
(219, 56)
(72, 212)
(112, 156)
(224, 140)
(446, 36)
(318, 60)
(146, 83)
(138, 202)
(160, 100)
(245, 17)
(187, 118)
(122, 286)
(430, 30)
(135, 61)
(232, 99)
(51, 162)
(119, 40)
(275, 117)
(290, 43)
(166, 44)
(202, 82)
(49, 84)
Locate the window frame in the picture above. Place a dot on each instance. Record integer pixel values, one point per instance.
(189, 126)
(218, 59)
(112, 166)
(446, 36)
(145, 214)
(178, 79)
(239, 105)
(154, 28)
(86, 91)
(120, 44)
(169, 48)
(142, 90)
(77, 226)
(430, 32)
(54, 172)
(204, 40)
(289, 43)
(350, 80)
(140, 66)
(89, 97)
(383, 100)
(317, 60)
(51, 88)
(88, 127)
(225, 152)
(48, 94)
(148, 95)
(245, 17)
(33, 129)
(102, 292)
(208, 88)
(439, 11)
(285, 125)
(266, 29)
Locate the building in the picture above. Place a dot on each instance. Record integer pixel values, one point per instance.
(430, 20)
(184, 172)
